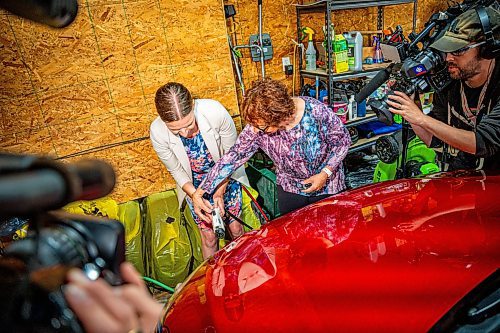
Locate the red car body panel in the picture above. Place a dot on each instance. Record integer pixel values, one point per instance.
(394, 256)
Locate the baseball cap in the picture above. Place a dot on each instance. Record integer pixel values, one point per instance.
(466, 28)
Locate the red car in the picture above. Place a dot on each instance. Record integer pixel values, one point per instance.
(403, 256)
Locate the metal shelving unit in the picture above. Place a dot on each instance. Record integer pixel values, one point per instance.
(364, 143)
(328, 7)
(342, 76)
(370, 116)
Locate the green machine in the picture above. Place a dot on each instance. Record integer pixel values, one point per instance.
(397, 162)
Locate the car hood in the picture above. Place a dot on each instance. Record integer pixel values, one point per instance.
(385, 257)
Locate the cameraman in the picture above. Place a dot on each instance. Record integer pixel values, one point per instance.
(466, 114)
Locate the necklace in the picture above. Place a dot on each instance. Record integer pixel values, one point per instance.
(470, 115)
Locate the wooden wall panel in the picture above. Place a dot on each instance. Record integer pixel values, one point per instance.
(75, 102)
(15, 80)
(20, 113)
(29, 141)
(111, 31)
(56, 58)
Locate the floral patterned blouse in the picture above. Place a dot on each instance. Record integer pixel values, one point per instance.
(201, 162)
(319, 140)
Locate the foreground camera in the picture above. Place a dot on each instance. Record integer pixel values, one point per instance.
(33, 269)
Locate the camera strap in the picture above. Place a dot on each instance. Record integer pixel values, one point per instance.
(469, 117)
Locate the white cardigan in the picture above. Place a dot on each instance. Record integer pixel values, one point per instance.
(218, 131)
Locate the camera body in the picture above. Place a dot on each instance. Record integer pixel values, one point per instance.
(424, 72)
(33, 269)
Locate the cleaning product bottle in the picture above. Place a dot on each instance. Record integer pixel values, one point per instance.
(378, 57)
(355, 49)
(310, 51)
(350, 50)
(340, 54)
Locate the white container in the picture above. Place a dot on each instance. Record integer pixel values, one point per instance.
(352, 108)
(355, 50)
(310, 56)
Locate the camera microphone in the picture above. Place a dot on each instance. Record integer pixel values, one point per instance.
(374, 83)
(54, 13)
(30, 184)
(97, 178)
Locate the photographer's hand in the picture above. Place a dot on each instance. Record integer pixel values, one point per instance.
(405, 106)
(103, 308)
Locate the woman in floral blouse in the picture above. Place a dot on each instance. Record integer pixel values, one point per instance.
(305, 139)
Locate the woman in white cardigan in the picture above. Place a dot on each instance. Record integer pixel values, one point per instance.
(189, 136)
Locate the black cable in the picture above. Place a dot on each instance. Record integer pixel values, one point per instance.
(239, 220)
(96, 149)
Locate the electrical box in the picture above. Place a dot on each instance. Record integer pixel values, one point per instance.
(267, 47)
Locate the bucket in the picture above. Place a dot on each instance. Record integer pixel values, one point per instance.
(340, 109)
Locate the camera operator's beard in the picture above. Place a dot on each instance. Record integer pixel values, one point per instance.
(465, 72)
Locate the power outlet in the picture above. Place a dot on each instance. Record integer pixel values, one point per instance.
(285, 61)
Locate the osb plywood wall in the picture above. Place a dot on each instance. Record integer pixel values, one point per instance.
(279, 19)
(87, 91)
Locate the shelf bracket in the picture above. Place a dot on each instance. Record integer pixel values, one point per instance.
(329, 48)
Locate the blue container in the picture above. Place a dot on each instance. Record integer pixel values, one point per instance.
(361, 110)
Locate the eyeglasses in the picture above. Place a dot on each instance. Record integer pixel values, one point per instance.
(262, 129)
(461, 51)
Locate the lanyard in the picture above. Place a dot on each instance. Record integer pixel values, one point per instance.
(471, 116)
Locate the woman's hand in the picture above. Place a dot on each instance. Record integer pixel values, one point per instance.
(405, 106)
(218, 197)
(317, 182)
(103, 308)
(202, 207)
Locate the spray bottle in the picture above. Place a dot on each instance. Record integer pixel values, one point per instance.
(377, 51)
(310, 51)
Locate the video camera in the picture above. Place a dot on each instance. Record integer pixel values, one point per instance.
(415, 69)
(33, 269)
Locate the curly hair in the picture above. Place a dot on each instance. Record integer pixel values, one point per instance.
(173, 102)
(268, 102)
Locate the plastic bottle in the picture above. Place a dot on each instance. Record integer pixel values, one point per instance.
(356, 49)
(310, 51)
(378, 57)
(340, 54)
(352, 108)
(361, 109)
(350, 50)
